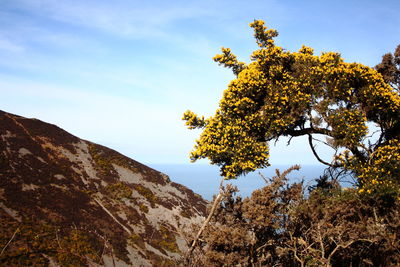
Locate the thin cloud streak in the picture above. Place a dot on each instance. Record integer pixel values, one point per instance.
(116, 18)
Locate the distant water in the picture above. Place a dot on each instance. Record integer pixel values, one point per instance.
(204, 179)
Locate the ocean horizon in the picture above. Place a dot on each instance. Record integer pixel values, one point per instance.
(204, 179)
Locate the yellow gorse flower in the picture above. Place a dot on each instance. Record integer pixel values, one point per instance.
(281, 93)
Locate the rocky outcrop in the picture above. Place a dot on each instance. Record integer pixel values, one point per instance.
(67, 201)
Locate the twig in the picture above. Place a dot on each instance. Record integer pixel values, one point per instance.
(112, 255)
(263, 177)
(214, 206)
(58, 241)
(288, 142)
(315, 153)
(9, 241)
(320, 240)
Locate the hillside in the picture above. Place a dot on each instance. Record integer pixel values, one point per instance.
(67, 201)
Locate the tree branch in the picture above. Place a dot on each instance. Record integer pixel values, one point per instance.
(305, 131)
(316, 155)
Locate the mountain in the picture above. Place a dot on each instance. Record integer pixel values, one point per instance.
(65, 201)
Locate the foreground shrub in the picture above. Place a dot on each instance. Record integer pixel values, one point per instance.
(279, 225)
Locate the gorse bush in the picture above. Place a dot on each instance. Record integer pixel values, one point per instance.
(283, 93)
(350, 107)
(279, 226)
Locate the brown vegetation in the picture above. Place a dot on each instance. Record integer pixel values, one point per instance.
(280, 225)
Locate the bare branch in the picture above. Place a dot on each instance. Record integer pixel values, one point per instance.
(217, 200)
(9, 241)
(58, 240)
(307, 131)
(290, 139)
(316, 155)
(325, 143)
(263, 177)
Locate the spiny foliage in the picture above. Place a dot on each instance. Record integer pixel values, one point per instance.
(283, 93)
(278, 225)
(390, 68)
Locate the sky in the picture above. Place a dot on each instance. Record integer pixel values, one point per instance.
(121, 73)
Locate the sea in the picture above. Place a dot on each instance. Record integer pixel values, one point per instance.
(204, 179)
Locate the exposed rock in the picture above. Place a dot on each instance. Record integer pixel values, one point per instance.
(67, 201)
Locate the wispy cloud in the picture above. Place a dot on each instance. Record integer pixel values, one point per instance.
(125, 18)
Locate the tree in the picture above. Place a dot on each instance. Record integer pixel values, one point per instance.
(282, 93)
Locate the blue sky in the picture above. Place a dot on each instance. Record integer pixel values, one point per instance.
(121, 73)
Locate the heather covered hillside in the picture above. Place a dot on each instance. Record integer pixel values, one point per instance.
(72, 202)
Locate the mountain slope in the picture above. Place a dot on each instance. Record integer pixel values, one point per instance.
(67, 201)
